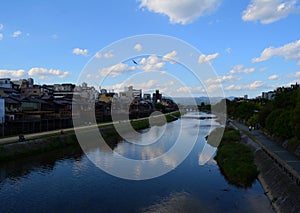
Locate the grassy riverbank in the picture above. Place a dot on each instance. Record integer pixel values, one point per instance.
(236, 160)
(36, 146)
(58, 141)
(143, 123)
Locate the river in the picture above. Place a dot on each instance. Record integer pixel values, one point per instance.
(68, 181)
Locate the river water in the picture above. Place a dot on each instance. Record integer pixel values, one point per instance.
(67, 181)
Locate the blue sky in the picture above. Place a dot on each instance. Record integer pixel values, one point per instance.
(253, 45)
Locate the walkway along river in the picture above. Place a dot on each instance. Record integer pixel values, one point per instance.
(66, 180)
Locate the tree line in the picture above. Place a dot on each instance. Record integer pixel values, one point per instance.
(279, 117)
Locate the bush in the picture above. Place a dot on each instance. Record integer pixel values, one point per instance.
(236, 160)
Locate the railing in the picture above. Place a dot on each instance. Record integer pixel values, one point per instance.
(290, 171)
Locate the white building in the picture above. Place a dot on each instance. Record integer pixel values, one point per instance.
(5, 83)
(130, 93)
(268, 95)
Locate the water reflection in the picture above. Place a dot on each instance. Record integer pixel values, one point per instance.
(67, 181)
(43, 163)
(179, 202)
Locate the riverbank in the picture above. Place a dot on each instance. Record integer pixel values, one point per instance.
(282, 191)
(62, 139)
(236, 160)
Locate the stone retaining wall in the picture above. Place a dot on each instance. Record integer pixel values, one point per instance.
(282, 190)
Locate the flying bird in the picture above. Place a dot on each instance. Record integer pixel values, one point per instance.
(134, 61)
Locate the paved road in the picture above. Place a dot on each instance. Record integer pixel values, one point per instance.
(15, 139)
(291, 159)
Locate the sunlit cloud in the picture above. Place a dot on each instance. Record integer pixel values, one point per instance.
(12, 73)
(78, 51)
(221, 79)
(171, 57)
(16, 34)
(269, 11)
(138, 47)
(44, 73)
(181, 11)
(116, 70)
(252, 86)
(289, 51)
(273, 77)
(207, 58)
(152, 63)
(240, 69)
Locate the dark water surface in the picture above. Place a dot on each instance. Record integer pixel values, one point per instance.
(67, 181)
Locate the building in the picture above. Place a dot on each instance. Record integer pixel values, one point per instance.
(268, 95)
(157, 97)
(24, 83)
(130, 93)
(5, 83)
(147, 97)
(34, 90)
(295, 86)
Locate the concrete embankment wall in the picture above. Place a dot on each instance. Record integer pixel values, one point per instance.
(36, 146)
(281, 189)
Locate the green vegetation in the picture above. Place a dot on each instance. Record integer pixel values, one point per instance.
(236, 160)
(204, 107)
(173, 116)
(58, 141)
(279, 117)
(140, 124)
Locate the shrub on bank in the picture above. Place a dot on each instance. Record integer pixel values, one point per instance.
(236, 160)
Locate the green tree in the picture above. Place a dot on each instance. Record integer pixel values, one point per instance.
(282, 127)
(270, 121)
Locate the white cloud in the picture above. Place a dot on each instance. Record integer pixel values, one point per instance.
(263, 69)
(152, 63)
(147, 86)
(273, 77)
(294, 75)
(44, 73)
(105, 55)
(98, 55)
(240, 69)
(289, 51)
(108, 54)
(78, 51)
(255, 85)
(16, 34)
(214, 87)
(116, 70)
(297, 74)
(171, 57)
(228, 50)
(181, 11)
(138, 47)
(252, 86)
(207, 58)
(269, 11)
(1, 26)
(221, 79)
(12, 73)
(1, 36)
(191, 89)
